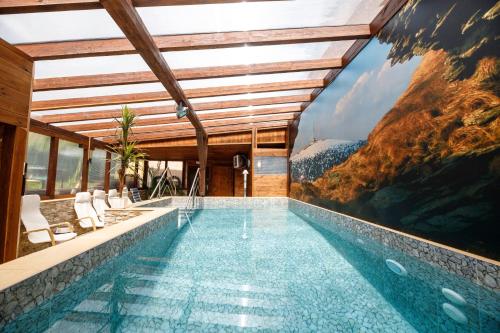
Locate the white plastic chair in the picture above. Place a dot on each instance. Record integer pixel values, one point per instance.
(86, 215)
(99, 203)
(113, 199)
(37, 227)
(125, 198)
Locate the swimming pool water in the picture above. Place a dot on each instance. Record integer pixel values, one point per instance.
(261, 270)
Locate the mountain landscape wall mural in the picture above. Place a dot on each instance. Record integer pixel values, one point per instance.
(408, 135)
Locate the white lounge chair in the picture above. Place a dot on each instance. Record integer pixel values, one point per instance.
(37, 227)
(99, 203)
(86, 214)
(119, 203)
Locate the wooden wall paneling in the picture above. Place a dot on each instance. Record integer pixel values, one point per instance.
(16, 76)
(270, 185)
(221, 181)
(265, 185)
(52, 170)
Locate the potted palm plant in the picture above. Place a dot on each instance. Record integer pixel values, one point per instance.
(126, 152)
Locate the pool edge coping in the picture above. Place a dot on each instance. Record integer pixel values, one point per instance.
(28, 266)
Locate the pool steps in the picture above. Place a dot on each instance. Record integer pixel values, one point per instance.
(217, 303)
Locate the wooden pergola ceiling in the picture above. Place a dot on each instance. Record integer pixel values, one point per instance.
(170, 119)
(172, 126)
(102, 80)
(91, 122)
(67, 103)
(158, 110)
(154, 136)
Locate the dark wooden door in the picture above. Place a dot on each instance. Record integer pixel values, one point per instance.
(221, 181)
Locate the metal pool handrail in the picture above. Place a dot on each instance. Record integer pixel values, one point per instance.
(191, 198)
(192, 192)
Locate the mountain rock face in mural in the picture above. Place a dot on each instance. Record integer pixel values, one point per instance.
(431, 162)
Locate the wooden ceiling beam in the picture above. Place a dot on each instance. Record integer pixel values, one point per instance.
(164, 96)
(156, 110)
(102, 80)
(172, 119)
(119, 46)
(128, 19)
(54, 131)
(184, 126)
(211, 130)
(36, 6)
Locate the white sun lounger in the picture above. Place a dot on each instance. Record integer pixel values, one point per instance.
(86, 214)
(37, 227)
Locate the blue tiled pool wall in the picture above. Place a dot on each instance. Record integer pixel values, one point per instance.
(233, 202)
(474, 269)
(417, 296)
(30, 300)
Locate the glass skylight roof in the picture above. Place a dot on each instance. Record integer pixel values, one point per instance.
(188, 19)
(257, 15)
(58, 26)
(192, 84)
(255, 54)
(190, 59)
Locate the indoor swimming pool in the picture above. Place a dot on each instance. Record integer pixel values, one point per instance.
(263, 270)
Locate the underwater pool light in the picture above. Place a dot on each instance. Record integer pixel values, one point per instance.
(396, 267)
(454, 313)
(453, 296)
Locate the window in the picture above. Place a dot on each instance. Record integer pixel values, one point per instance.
(69, 168)
(97, 170)
(270, 165)
(38, 163)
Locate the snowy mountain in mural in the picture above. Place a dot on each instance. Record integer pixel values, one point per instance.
(312, 161)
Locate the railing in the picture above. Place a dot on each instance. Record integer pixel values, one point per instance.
(193, 191)
(191, 201)
(163, 184)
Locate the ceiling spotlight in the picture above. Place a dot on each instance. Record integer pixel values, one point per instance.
(181, 110)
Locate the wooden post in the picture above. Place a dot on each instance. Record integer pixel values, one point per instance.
(145, 174)
(252, 159)
(107, 168)
(136, 174)
(202, 145)
(12, 168)
(52, 171)
(85, 169)
(15, 104)
(184, 174)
